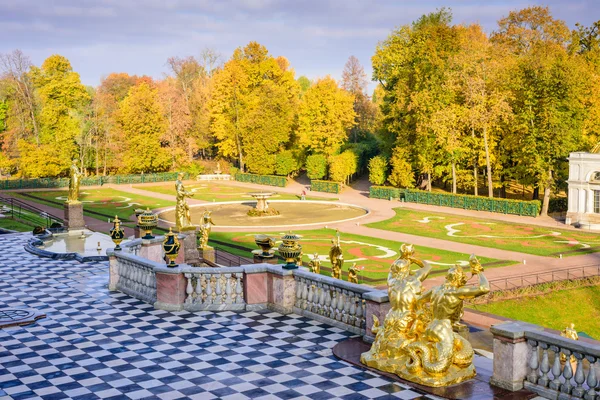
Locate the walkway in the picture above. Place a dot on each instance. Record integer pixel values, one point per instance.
(96, 344)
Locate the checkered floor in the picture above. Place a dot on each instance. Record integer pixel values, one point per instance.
(95, 344)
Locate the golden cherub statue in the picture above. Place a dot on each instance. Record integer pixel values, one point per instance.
(570, 333)
(183, 219)
(314, 265)
(205, 228)
(336, 257)
(74, 182)
(353, 274)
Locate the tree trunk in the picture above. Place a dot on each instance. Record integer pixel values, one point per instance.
(488, 164)
(536, 193)
(238, 140)
(475, 164)
(428, 181)
(547, 186)
(453, 177)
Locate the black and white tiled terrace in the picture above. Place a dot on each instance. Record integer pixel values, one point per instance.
(96, 344)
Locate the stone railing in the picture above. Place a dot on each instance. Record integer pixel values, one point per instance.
(133, 246)
(214, 289)
(213, 177)
(330, 300)
(527, 356)
(133, 275)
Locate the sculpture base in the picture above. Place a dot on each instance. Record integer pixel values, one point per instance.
(453, 376)
(191, 254)
(207, 254)
(74, 216)
(260, 259)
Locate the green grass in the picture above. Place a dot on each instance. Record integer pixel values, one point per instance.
(554, 310)
(375, 260)
(13, 225)
(210, 191)
(108, 202)
(523, 238)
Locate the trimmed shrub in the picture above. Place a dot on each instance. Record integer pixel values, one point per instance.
(325, 186)
(316, 166)
(378, 167)
(270, 180)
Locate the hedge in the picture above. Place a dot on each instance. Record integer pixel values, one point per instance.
(42, 183)
(325, 186)
(558, 204)
(271, 180)
(465, 201)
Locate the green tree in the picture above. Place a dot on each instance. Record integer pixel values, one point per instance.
(316, 166)
(142, 121)
(304, 83)
(325, 116)
(286, 163)
(401, 174)
(378, 170)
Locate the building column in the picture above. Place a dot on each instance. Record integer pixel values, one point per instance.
(590, 201)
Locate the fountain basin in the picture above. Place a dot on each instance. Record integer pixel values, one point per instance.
(65, 246)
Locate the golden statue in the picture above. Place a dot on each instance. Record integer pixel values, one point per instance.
(74, 182)
(205, 227)
(315, 264)
(353, 274)
(570, 333)
(299, 259)
(406, 317)
(420, 345)
(336, 257)
(182, 210)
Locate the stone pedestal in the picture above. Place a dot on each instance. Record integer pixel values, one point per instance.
(74, 216)
(170, 289)
(510, 355)
(281, 289)
(113, 273)
(255, 287)
(207, 254)
(137, 232)
(378, 305)
(190, 250)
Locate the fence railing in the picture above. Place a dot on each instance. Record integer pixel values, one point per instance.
(518, 281)
(226, 259)
(214, 289)
(44, 183)
(22, 211)
(562, 367)
(331, 300)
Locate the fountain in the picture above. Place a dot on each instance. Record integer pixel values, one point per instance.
(262, 206)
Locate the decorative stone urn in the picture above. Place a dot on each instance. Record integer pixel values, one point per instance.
(148, 221)
(290, 250)
(266, 244)
(117, 234)
(171, 247)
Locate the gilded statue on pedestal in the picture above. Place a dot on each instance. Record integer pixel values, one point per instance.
(417, 340)
(336, 257)
(570, 333)
(182, 210)
(315, 264)
(74, 182)
(406, 316)
(204, 231)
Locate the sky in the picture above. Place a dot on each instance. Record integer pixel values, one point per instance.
(317, 36)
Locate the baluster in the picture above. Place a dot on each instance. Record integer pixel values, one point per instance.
(299, 283)
(359, 314)
(217, 288)
(198, 291)
(339, 313)
(578, 391)
(566, 387)
(334, 301)
(544, 366)
(592, 379)
(322, 300)
(227, 288)
(352, 311)
(346, 312)
(239, 290)
(189, 290)
(304, 303)
(309, 299)
(328, 312)
(556, 369)
(533, 362)
(209, 292)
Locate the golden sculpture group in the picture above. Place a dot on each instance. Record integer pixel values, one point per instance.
(417, 340)
(336, 257)
(204, 231)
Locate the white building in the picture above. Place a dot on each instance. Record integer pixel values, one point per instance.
(584, 190)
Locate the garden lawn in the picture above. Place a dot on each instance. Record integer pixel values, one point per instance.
(99, 203)
(554, 310)
(376, 255)
(13, 225)
(523, 238)
(210, 191)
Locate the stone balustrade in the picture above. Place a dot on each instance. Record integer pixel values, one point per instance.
(133, 246)
(213, 177)
(133, 275)
(332, 301)
(527, 356)
(214, 289)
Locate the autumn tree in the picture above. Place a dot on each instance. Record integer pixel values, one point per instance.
(354, 80)
(325, 116)
(401, 174)
(142, 120)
